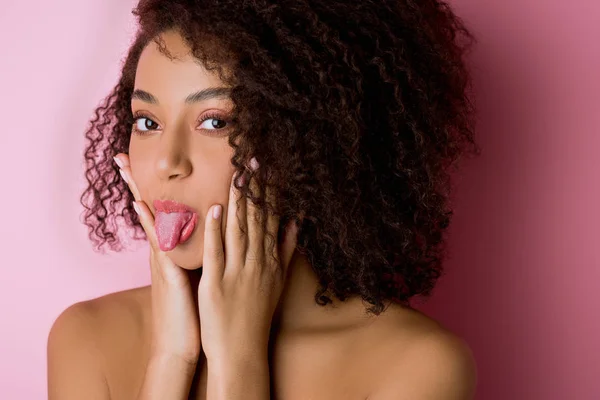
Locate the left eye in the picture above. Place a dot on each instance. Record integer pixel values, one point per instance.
(213, 123)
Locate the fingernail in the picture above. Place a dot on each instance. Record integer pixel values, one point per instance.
(123, 176)
(119, 162)
(253, 164)
(136, 208)
(217, 211)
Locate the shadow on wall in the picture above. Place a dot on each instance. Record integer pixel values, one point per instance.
(501, 239)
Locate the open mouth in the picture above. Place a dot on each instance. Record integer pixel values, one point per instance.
(188, 228)
(173, 228)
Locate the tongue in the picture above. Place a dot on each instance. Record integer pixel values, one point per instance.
(168, 228)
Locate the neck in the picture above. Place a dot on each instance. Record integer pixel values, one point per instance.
(298, 310)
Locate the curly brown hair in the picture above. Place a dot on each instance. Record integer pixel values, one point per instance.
(355, 111)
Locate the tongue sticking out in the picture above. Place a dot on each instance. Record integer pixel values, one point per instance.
(173, 228)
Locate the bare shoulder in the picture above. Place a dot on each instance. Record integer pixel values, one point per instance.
(111, 317)
(421, 359)
(89, 338)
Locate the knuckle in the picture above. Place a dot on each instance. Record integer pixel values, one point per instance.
(241, 235)
(218, 253)
(254, 256)
(274, 270)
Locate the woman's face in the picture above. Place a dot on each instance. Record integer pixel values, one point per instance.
(181, 150)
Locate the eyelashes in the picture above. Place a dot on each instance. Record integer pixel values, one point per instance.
(136, 128)
(213, 123)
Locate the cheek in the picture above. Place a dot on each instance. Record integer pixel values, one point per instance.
(140, 169)
(143, 187)
(137, 147)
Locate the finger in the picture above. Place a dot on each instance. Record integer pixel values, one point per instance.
(161, 265)
(122, 161)
(146, 216)
(163, 269)
(147, 222)
(235, 238)
(271, 246)
(213, 257)
(290, 240)
(255, 249)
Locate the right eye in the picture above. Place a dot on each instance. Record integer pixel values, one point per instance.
(142, 124)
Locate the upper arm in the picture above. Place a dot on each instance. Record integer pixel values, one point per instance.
(74, 361)
(440, 367)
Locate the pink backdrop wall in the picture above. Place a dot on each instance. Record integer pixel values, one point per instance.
(523, 275)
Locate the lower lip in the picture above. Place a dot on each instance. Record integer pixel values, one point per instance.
(188, 229)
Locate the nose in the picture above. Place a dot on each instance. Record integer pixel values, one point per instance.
(172, 160)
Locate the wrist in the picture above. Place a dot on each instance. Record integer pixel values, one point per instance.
(167, 377)
(182, 356)
(239, 377)
(234, 364)
(163, 360)
(234, 355)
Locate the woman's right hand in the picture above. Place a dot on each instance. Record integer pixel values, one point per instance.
(175, 321)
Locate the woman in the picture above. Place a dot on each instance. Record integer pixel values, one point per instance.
(288, 163)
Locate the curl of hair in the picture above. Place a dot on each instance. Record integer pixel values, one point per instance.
(356, 112)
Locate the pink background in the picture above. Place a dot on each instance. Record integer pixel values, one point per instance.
(523, 275)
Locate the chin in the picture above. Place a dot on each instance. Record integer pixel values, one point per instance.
(190, 267)
(188, 255)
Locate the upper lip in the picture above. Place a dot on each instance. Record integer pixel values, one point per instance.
(169, 206)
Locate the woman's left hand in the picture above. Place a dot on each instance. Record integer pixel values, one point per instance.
(241, 282)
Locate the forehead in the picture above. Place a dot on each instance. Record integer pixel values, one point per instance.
(172, 77)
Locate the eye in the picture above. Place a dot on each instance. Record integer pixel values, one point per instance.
(211, 123)
(142, 124)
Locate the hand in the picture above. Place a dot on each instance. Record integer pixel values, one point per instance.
(175, 322)
(241, 283)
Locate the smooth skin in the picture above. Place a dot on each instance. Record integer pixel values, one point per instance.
(190, 337)
(236, 322)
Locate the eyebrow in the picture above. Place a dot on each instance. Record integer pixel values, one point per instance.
(201, 95)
